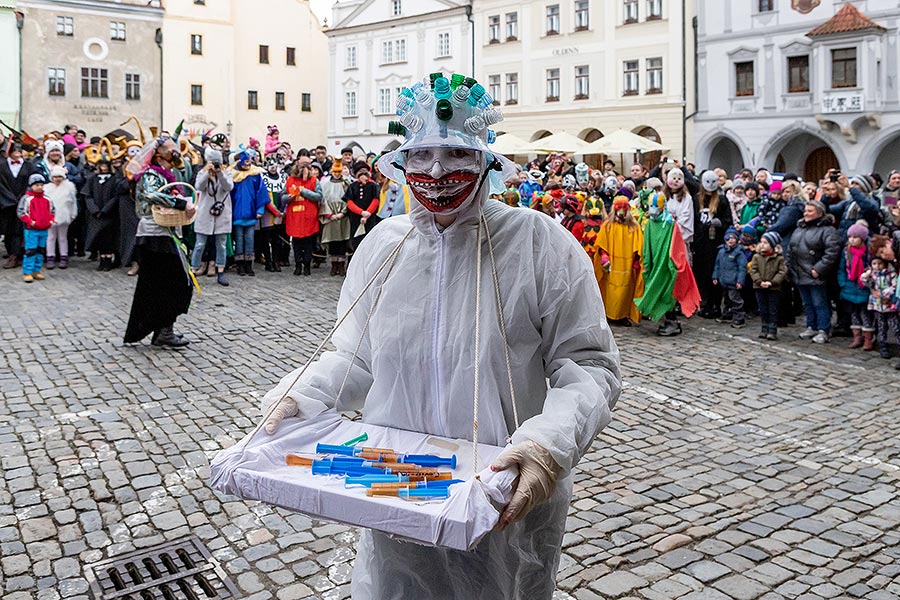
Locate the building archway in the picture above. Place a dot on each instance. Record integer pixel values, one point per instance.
(726, 154)
(649, 159)
(539, 135)
(592, 134)
(882, 154)
(789, 149)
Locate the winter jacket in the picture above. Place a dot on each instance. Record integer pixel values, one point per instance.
(768, 212)
(787, 223)
(857, 206)
(208, 193)
(748, 213)
(301, 198)
(851, 291)
(731, 266)
(768, 268)
(885, 281)
(35, 211)
(815, 245)
(13, 188)
(249, 196)
(64, 199)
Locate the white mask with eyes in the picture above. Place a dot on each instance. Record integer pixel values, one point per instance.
(443, 179)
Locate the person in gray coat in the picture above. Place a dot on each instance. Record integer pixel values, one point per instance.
(815, 249)
(214, 184)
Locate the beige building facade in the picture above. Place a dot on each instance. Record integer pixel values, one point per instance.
(237, 66)
(92, 63)
(586, 67)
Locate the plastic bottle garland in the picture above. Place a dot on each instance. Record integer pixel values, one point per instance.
(459, 99)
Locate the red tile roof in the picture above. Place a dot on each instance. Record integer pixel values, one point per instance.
(844, 21)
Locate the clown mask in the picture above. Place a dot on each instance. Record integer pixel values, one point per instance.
(582, 173)
(657, 206)
(442, 179)
(675, 179)
(621, 208)
(611, 184)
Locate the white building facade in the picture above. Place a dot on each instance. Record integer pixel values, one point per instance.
(232, 68)
(586, 67)
(10, 102)
(798, 86)
(378, 47)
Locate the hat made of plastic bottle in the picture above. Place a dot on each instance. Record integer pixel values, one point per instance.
(446, 113)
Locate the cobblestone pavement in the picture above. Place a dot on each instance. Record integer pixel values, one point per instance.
(734, 468)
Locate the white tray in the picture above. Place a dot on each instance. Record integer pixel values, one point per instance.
(259, 472)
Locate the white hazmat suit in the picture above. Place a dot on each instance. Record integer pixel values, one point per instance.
(415, 370)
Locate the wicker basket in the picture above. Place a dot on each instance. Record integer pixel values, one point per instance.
(171, 217)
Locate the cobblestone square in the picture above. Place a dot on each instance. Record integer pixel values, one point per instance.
(733, 468)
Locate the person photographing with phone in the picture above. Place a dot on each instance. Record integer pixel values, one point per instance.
(214, 185)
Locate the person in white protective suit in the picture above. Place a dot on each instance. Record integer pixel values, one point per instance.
(415, 367)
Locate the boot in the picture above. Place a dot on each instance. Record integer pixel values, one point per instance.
(868, 340)
(306, 270)
(857, 338)
(101, 264)
(773, 332)
(275, 266)
(63, 262)
(763, 331)
(166, 337)
(10, 262)
(270, 264)
(669, 329)
(248, 268)
(220, 279)
(50, 263)
(884, 350)
(38, 276)
(239, 265)
(342, 269)
(334, 268)
(298, 269)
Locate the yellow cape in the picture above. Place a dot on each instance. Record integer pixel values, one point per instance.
(623, 283)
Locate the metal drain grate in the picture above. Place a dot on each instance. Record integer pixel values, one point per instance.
(179, 570)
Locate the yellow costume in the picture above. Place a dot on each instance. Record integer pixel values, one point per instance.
(618, 266)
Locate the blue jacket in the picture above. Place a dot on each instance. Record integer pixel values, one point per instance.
(731, 266)
(249, 198)
(867, 209)
(786, 223)
(850, 290)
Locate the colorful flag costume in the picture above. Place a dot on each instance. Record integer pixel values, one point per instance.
(667, 275)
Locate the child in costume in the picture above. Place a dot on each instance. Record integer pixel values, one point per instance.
(36, 212)
(881, 281)
(594, 213)
(572, 219)
(668, 278)
(715, 219)
(854, 294)
(768, 271)
(730, 272)
(617, 263)
(531, 185)
(394, 200)
(272, 141)
(273, 218)
(64, 198)
(683, 208)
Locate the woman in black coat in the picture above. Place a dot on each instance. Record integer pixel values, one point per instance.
(101, 197)
(709, 234)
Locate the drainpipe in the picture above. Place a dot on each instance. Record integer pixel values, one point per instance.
(159, 39)
(472, 24)
(20, 23)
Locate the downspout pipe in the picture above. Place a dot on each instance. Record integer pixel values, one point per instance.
(472, 36)
(159, 41)
(683, 82)
(20, 24)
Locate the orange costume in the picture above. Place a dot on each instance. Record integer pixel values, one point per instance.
(617, 263)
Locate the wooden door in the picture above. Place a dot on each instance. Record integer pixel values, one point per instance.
(818, 162)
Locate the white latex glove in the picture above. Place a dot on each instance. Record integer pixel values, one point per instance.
(538, 473)
(286, 408)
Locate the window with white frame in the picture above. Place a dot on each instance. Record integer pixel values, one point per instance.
(387, 52)
(553, 19)
(350, 103)
(843, 68)
(582, 82)
(512, 88)
(385, 106)
(654, 10)
(350, 57)
(132, 86)
(631, 11)
(582, 15)
(401, 50)
(117, 31)
(494, 29)
(494, 87)
(654, 75)
(512, 26)
(443, 44)
(552, 85)
(743, 78)
(631, 69)
(57, 80)
(396, 8)
(65, 26)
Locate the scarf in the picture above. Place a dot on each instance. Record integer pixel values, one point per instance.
(856, 262)
(167, 175)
